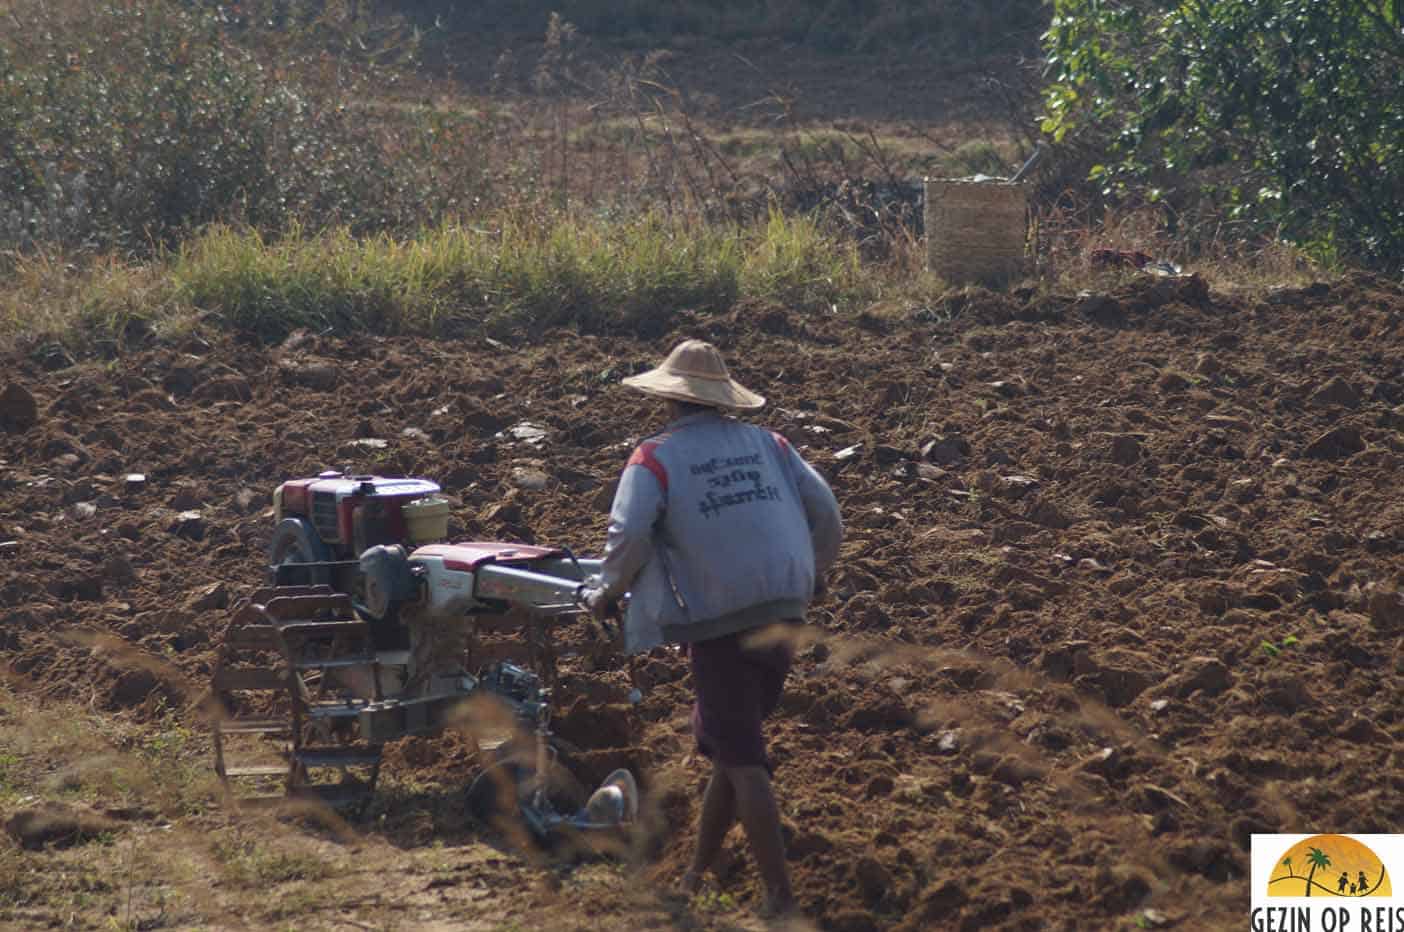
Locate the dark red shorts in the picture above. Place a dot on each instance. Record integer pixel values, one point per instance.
(737, 688)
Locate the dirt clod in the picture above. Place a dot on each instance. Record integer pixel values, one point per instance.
(1336, 443)
(58, 825)
(19, 411)
(314, 374)
(1206, 674)
(1387, 611)
(118, 568)
(945, 451)
(210, 598)
(874, 880)
(942, 902)
(188, 524)
(1337, 392)
(1125, 449)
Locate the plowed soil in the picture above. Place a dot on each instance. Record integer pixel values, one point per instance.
(1120, 585)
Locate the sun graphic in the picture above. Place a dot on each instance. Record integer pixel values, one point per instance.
(1328, 865)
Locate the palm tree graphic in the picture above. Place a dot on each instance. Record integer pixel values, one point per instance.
(1287, 863)
(1316, 858)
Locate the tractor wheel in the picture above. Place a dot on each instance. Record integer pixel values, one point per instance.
(296, 541)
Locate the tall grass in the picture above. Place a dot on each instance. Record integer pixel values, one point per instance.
(127, 128)
(793, 262)
(517, 273)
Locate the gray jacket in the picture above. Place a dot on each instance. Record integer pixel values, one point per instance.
(718, 526)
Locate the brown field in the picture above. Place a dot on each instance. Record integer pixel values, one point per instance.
(1141, 603)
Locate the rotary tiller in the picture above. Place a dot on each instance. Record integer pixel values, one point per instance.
(371, 629)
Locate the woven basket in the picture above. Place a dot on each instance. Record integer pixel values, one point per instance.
(976, 231)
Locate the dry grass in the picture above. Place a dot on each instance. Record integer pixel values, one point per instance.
(1068, 243)
(172, 858)
(65, 752)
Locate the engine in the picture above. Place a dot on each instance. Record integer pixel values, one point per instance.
(448, 582)
(348, 514)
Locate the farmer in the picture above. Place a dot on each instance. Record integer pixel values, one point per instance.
(720, 533)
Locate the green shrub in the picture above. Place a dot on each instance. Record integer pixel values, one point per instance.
(1289, 116)
(127, 125)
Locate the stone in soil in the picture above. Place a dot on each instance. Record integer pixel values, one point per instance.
(531, 479)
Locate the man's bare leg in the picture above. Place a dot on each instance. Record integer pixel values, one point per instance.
(760, 817)
(718, 815)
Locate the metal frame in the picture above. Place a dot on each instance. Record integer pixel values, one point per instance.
(317, 632)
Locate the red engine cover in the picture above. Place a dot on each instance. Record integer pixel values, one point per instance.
(295, 497)
(330, 502)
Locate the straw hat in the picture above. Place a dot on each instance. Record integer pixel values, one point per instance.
(695, 372)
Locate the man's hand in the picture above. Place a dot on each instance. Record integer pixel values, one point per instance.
(598, 604)
(602, 609)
